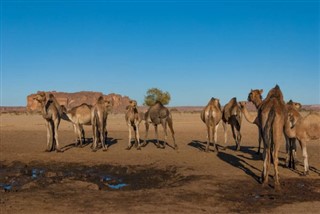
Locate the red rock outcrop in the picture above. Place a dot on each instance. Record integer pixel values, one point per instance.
(74, 99)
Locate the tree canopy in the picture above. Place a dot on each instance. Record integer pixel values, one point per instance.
(154, 95)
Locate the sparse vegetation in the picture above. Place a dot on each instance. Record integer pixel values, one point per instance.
(154, 95)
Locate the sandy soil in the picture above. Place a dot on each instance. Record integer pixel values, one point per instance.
(151, 180)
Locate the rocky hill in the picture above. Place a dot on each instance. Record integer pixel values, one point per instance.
(74, 99)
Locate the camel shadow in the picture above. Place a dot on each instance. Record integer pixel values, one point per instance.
(240, 164)
(282, 163)
(201, 145)
(247, 150)
(154, 141)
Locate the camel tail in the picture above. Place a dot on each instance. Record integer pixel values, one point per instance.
(268, 128)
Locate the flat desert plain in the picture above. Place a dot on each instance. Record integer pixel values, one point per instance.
(150, 180)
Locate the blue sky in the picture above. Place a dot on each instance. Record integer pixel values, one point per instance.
(195, 50)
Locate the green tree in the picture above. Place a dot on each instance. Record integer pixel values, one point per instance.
(155, 94)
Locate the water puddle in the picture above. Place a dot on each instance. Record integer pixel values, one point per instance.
(21, 177)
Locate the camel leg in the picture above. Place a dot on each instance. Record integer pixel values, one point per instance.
(266, 164)
(94, 143)
(79, 137)
(102, 136)
(138, 136)
(129, 140)
(157, 137)
(49, 133)
(259, 139)
(305, 157)
(146, 135)
(208, 138)
(225, 126)
(82, 135)
(215, 136)
(170, 124)
(164, 126)
(277, 144)
(235, 137)
(56, 126)
(75, 131)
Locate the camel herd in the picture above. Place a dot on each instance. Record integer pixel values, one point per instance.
(275, 119)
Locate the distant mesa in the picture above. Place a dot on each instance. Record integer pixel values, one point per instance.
(71, 100)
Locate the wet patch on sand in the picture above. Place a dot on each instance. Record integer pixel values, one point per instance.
(22, 177)
(253, 198)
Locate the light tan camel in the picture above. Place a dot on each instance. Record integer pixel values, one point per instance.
(304, 129)
(272, 117)
(159, 114)
(211, 116)
(292, 109)
(51, 112)
(99, 115)
(232, 115)
(133, 120)
(78, 116)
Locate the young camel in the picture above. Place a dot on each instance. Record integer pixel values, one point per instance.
(272, 117)
(232, 115)
(211, 116)
(304, 129)
(99, 115)
(292, 109)
(133, 120)
(51, 112)
(79, 116)
(159, 114)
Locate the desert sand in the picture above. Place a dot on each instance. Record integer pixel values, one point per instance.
(149, 180)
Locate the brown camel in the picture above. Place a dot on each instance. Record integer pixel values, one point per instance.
(51, 112)
(132, 119)
(211, 116)
(272, 117)
(255, 96)
(79, 116)
(304, 129)
(159, 114)
(99, 115)
(232, 115)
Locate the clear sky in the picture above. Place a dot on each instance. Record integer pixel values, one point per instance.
(195, 50)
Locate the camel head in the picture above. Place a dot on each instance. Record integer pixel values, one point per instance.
(132, 104)
(255, 95)
(296, 105)
(40, 97)
(242, 104)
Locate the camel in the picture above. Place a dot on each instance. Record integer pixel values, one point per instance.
(133, 120)
(255, 96)
(251, 119)
(211, 116)
(232, 115)
(51, 112)
(159, 114)
(272, 117)
(99, 115)
(292, 109)
(79, 116)
(304, 129)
